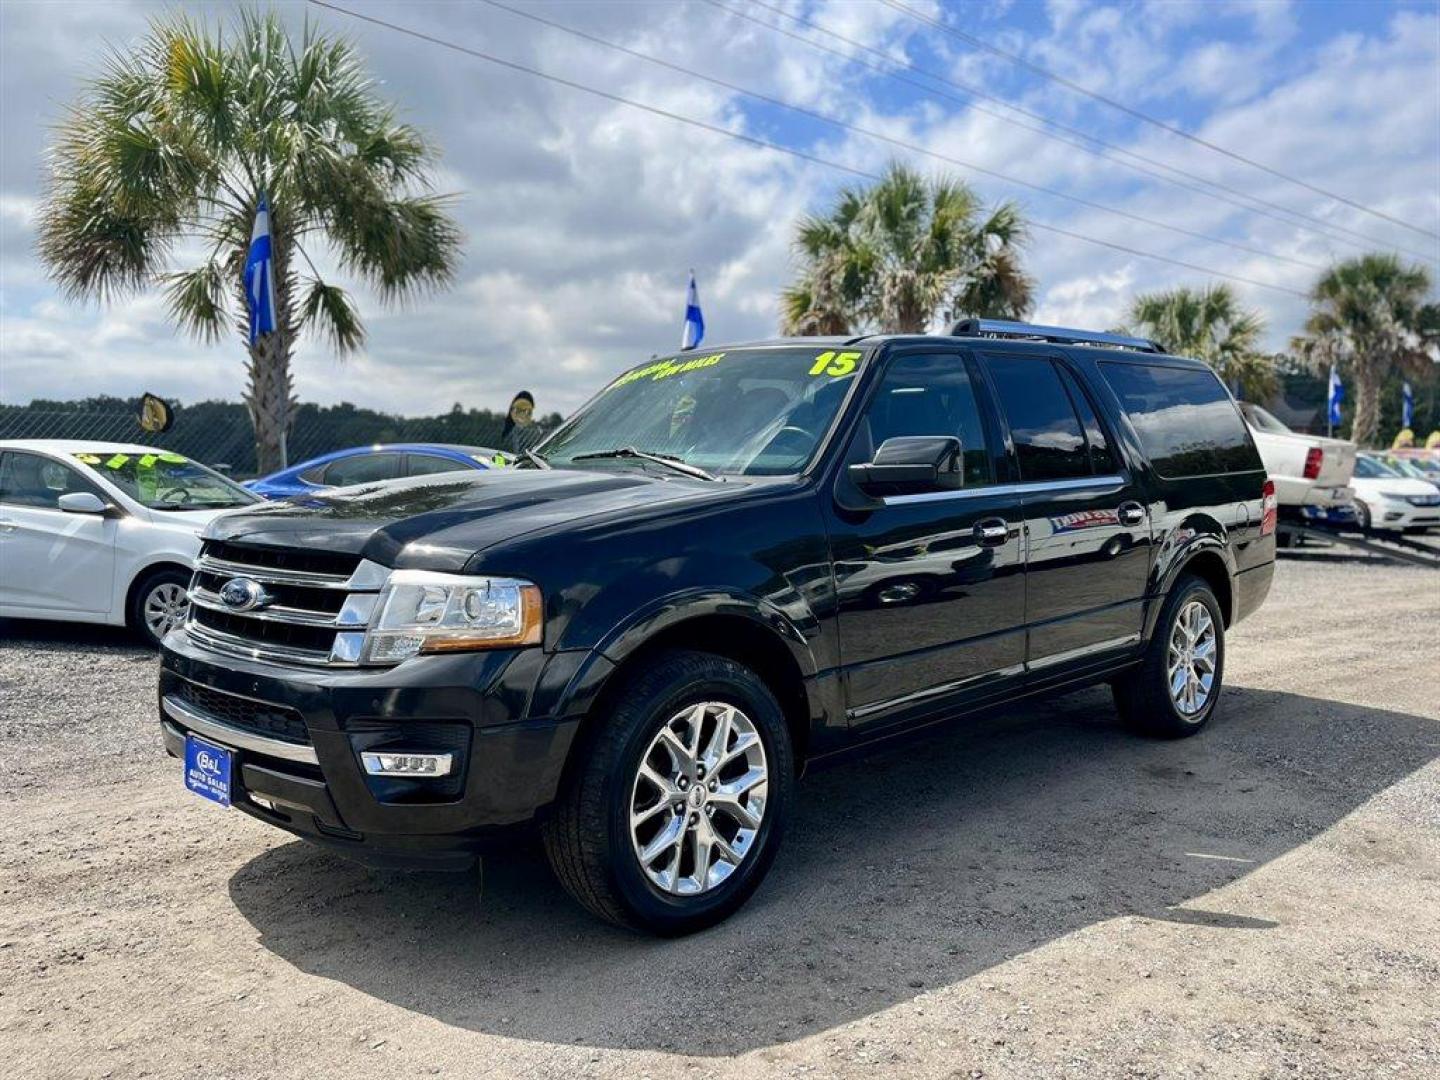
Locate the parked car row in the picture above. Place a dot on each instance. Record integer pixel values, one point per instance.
(107, 532)
(103, 532)
(1326, 480)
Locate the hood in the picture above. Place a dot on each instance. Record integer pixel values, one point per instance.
(1394, 485)
(190, 519)
(439, 522)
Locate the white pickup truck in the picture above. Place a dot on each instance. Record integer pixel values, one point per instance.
(1311, 473)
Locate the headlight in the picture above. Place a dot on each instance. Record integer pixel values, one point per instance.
(1394, 496)
(424, 612)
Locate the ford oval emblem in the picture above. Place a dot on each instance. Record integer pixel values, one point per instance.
(243, 594)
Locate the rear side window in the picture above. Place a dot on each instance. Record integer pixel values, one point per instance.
(362, 469)
(1102, 458)
(425, 464)
(1186, 422)
(1049, 442)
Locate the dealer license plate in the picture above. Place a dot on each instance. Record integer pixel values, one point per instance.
(207, 769)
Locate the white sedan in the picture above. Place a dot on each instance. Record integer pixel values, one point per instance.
(103, 532)
(1388, 499)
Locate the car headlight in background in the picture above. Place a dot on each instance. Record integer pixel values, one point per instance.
(420, 611)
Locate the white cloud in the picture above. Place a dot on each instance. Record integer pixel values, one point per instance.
(582, 216)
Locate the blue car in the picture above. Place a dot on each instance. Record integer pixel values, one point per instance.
(366, 464)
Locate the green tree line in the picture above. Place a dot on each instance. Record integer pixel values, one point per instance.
(219, 433)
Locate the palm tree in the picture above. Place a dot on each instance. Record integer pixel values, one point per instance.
(1369, 316)
(901, 252)
(170, 149)
(1211, 325)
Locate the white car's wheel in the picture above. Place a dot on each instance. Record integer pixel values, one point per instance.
(159, 604)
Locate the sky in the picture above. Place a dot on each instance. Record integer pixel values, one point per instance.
(582, 216)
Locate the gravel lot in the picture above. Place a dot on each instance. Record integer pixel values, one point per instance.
(1038, 894)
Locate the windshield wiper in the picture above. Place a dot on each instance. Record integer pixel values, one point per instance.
(535, 459)
(668, 460)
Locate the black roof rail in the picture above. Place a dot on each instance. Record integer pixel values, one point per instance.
(1060, 335)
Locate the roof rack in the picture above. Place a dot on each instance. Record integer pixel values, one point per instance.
(1004, 328)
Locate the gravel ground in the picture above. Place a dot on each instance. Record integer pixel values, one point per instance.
(1032, 895)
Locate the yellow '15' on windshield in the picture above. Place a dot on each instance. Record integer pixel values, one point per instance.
(833, 363)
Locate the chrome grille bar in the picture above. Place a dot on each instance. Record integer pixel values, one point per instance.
(311, 614)
(269, 575)
(298, 616)
(247, 649)
(211, 727)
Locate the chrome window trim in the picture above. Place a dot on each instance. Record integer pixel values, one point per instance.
(1025, 487)
(210, 727)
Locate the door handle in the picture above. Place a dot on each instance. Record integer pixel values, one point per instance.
(992, 532)
(8, 526)
(1131, 513)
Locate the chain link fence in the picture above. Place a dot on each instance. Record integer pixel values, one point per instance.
(219, 433)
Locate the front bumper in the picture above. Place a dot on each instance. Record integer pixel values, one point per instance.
(298, 736)
(1398, 514)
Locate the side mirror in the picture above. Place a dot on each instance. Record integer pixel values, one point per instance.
(82, 502)
(915, 462)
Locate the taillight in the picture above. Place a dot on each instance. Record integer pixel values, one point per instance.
(1270, 506)
(1314, 458)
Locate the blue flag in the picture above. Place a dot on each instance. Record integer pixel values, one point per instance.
(694, 331)
(1337, 395)
(260, 275)
(1407, 404)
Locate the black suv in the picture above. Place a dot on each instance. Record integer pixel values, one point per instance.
(727, 566)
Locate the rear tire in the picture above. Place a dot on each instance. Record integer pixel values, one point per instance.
(158, 604)
(635, 793)
(1176, 688)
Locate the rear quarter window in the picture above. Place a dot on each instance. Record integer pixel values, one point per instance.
(1187, 424)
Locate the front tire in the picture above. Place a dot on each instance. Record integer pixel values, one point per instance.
(158, 604)
(1174, 691)
(678, 810)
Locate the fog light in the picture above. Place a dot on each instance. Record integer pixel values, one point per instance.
(404, 763)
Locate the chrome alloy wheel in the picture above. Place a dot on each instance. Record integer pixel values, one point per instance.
(1190, 661)
(698, 798)
(165, 608)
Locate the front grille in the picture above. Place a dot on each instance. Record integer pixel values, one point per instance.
(257, 717)
(314, 609)
(266, 631)
(305, 562)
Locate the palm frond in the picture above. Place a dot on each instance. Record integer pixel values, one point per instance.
(333, 314)
(196, 300)
(401, 246)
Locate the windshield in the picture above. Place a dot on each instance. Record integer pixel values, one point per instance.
(752, 412)
(166, 481)
(1406, 468)
(1369, 468)
(1262, 420)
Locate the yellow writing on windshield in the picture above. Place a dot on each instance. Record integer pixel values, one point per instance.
(665, 368)
(835, 363)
